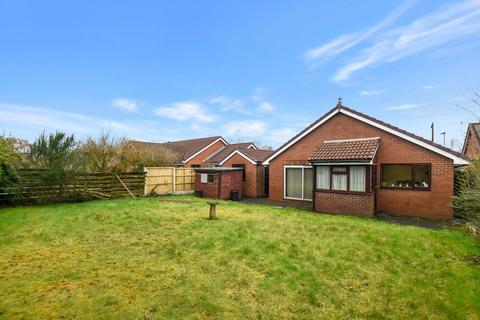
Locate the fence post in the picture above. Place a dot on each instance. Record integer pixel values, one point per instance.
(145, 188)
(174, 180)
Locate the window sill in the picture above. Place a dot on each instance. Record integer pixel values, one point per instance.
(406, 189)
(345, 192)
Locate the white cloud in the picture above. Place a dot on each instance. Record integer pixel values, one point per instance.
(187, 110)
(448, 23)
(250, 105)
(405, 106)
(281, 135)
(248, 128)
(228, 104)
(342, 43)
(263, 104)
(33, 120)
(366, 93)
(430, 87)
(125, 104)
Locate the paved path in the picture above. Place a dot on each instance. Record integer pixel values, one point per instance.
(403, 220)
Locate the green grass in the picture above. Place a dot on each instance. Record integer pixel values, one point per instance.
(161, 258)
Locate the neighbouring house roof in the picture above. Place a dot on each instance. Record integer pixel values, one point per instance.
(348, 150)
(184, 150)
(224, 152)
(475, 129)
(457, 157)
(253, 155)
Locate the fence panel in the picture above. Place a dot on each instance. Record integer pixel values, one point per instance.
(169, 180)
(184, 180)
(32, 187)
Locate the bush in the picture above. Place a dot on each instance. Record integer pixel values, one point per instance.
(8, 176)
(110, 154)
(8, 154)
(57, 156)
(154, 157)
(105, 154)
(466, 202)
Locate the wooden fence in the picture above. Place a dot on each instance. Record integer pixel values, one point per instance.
(165, 180)
(32, 187)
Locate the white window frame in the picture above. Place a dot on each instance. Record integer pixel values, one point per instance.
(285, 167)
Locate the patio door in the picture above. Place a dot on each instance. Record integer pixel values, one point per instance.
(298, 182)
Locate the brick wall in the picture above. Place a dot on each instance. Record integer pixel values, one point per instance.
(431, 204)
(472, 149)
(210, 190)
(250, 184)
(345, 203)
(261, 181)
(229, 181)
(198, 159)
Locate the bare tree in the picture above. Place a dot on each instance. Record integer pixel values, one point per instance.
(260, 145)
(155, 156)
(106, 153)
(475, 99)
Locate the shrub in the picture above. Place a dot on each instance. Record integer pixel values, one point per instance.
(57, 157)
(466, 202)
(8, 154)
(8, 176)
(154, 157)
(111, 154)
(104, 154)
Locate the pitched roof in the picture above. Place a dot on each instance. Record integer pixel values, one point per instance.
(457, 157)
(363, 149)
(475, 127)
(183, 149)
(252, 155)
(256, 154)
(224, 152)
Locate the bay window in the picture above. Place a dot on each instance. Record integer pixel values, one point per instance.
(406, 176)
(339, 178)
(298, 182)
(342, 178)
(323, 177)
(358, 175)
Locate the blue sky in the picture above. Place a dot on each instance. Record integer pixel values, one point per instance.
(246, 70)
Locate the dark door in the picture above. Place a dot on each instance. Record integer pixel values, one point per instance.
(266, 182)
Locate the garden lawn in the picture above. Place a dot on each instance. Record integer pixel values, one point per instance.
(161, 258)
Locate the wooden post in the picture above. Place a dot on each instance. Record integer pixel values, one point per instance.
(213, 210)
(125, 186)
(145, 188)
(174, 181)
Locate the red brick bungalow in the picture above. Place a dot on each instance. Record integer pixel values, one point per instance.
(250, 159)
(188, 153)
(471, 146)
(349, 163)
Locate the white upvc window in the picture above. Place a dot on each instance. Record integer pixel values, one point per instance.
(298, 182)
